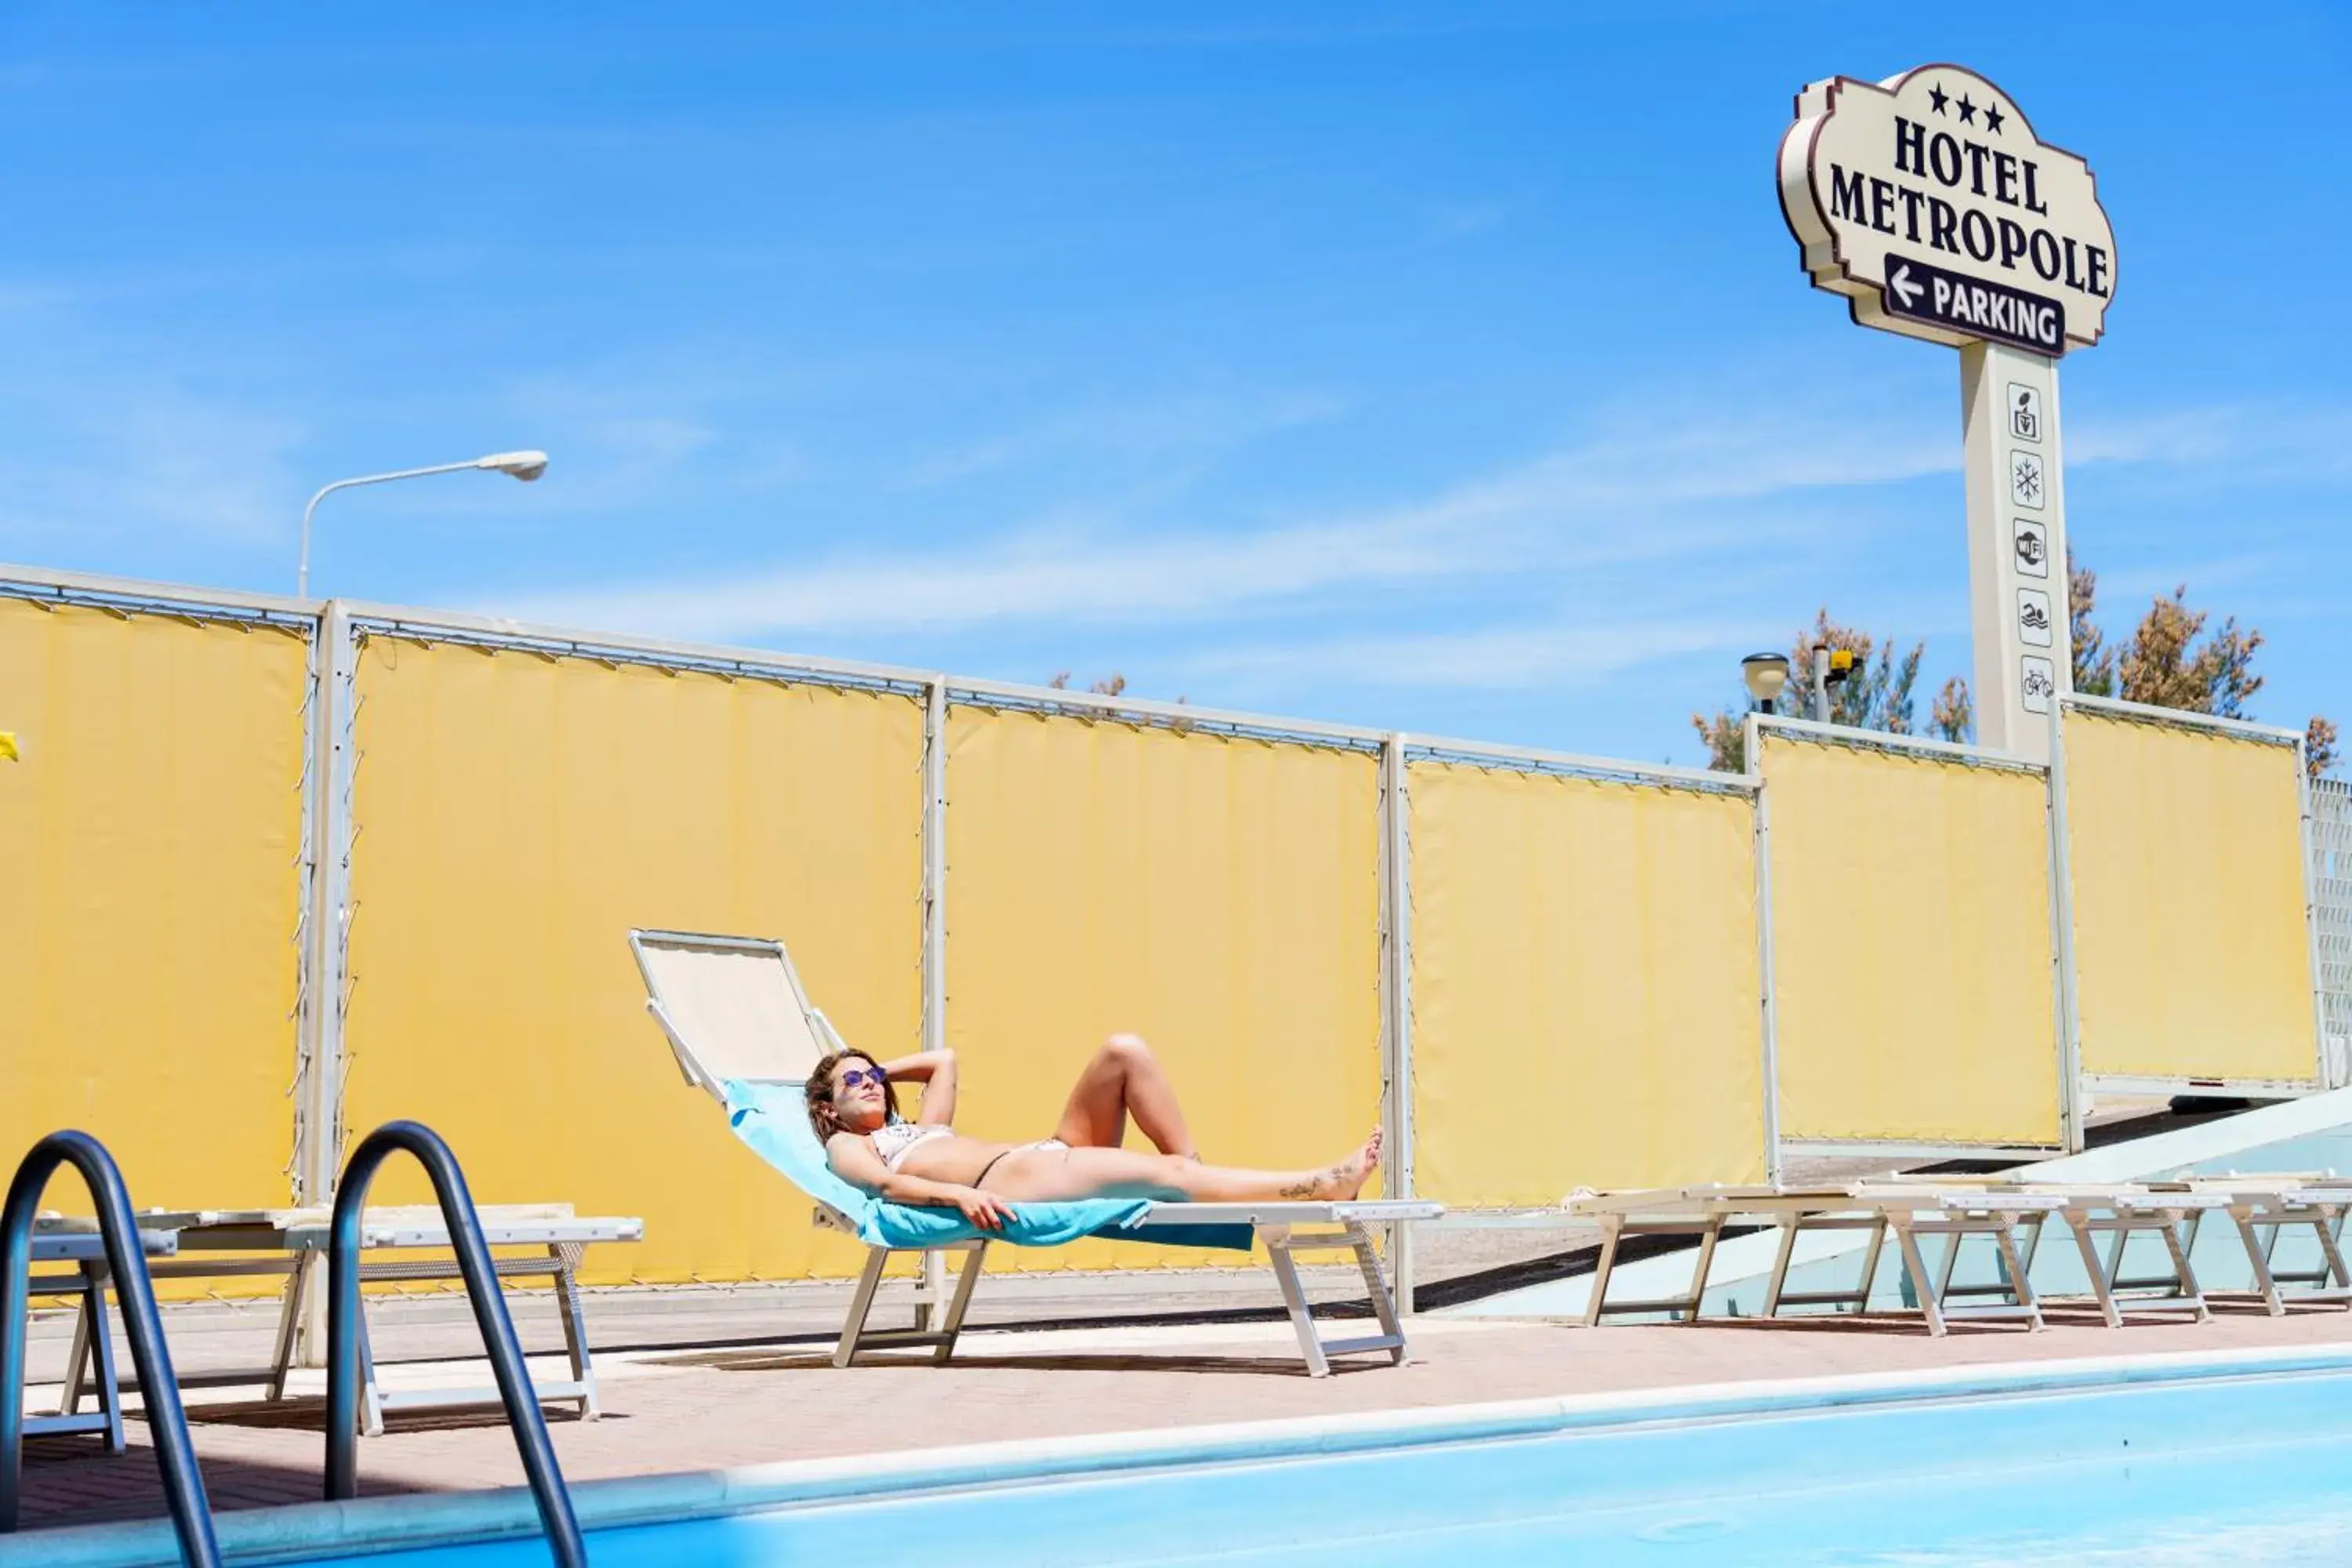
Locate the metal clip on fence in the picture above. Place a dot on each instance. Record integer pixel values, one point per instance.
(489, 1313)
(167, 1423)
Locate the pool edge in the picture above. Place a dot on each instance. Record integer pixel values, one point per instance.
(413, 1520)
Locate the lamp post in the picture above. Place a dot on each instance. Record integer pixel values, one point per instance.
(1765, 674)
(523, 466)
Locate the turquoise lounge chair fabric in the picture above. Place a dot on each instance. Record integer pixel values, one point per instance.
(773, 1119)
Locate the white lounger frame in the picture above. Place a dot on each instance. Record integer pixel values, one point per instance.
(1283, 1228)
(1908, 1213)
(2013, 1216)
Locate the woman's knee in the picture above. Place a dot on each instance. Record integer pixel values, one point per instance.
(1124, 1049)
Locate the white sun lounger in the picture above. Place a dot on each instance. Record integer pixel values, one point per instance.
(733, 1008)
(78, 1242)
(217, 1244)
(1908, 1212)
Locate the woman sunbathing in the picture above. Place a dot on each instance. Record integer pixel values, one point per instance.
(926, 1162)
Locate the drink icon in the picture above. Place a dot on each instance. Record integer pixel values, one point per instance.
(2024, 411)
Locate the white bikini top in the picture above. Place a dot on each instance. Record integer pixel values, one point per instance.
(893, 1140)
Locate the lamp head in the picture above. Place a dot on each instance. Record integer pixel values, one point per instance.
(1765, 674)
(524, 466)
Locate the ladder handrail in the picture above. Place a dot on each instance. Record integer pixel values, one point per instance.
(489, 1313)
(126, 1257)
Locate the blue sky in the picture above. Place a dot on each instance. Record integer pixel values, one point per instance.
(1444, 367)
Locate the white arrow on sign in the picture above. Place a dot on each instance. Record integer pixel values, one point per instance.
(1905, 289)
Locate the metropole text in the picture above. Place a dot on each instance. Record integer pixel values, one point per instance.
(1959, 225)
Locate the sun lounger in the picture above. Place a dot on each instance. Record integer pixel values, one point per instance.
(2263, 1208)
(1905, 1211)
(742, 1030)
(78, 1242)
(233, 1243)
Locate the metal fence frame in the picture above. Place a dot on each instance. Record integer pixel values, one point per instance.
(2326, 1074)
(2331, 881)
(2069, 1105)
(336, 630)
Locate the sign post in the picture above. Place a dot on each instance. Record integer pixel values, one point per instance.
(1928, 202)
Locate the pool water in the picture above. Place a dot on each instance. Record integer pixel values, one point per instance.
(2245, 1469)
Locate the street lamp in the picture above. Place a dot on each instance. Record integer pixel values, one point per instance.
(524, 466)
(1765, 674)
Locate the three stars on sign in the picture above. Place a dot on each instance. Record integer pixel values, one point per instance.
(1938, 100)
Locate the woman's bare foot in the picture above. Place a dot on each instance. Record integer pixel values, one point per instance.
(1338, 1183)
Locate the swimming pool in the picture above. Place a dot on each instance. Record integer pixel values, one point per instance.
(2150, 1461)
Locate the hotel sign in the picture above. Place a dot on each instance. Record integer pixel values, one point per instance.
(1930, 203)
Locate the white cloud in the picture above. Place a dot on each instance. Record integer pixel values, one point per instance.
(1613, 498)
(1145, 430)
(1512, 658)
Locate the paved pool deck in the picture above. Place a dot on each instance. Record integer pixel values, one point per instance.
(686, 1406)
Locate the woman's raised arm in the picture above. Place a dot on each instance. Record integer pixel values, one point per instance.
(936, 1071)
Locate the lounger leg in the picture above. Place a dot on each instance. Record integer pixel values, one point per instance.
(1611, 1227)
(2331, 1251)
(2116, 1250)
(78, 1356)
(2258, 1259)
(1294, 1299)
(1772, 1286)
(1383, 1304)
(2031, 1247)
(1870, 1265)
(930, 1290)
(951, 1324)
(1949, 1262)
(370, 1396)
(2180, 1268)
(93, 1341)
(1917, 1267)
(1705, 1265)
(861, 1302)
(567, 1255)
(289, 1323)
(2020, 1287)
(2079, 1222)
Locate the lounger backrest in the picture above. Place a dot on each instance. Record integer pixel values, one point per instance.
(731, 1006)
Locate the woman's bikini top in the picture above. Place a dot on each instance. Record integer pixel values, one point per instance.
(893, 1140)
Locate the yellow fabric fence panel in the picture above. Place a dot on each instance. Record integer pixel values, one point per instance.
(1219, 896)
(1911, 946)
(516, 815)
(2192, 956)
(150, 849)
(1585, 1003)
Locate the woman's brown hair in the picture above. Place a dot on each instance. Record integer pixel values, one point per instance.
(819, 1089)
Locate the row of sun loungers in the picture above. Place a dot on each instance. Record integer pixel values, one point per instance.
(2012, 1217)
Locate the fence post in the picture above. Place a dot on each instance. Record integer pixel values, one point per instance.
(1396, 1004)
(320, 1037)
(2071, 1091)
(932, 1291)
(1752, 744)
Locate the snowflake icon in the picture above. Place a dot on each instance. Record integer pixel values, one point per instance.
(2025, 479)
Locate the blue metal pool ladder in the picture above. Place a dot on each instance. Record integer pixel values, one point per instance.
(489, 1311)
(183, 1486)
(167, 1424)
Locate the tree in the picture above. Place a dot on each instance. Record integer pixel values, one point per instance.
(1110, 686)
(1954, 717)
(1876, 696)
(2319, 756)
(2164, 665)
(2094, 661)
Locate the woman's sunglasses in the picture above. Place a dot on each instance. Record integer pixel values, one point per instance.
(855, 1078)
